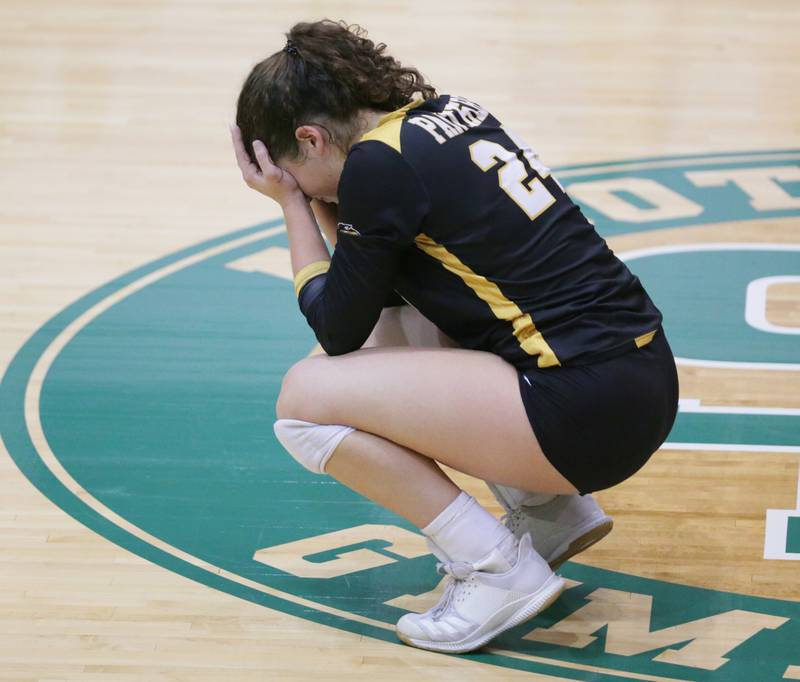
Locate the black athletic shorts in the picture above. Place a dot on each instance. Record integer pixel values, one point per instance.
(599, 423)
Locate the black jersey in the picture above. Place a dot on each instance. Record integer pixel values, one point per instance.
(455, 213)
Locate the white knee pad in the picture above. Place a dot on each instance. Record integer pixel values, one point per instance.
(514, 498)
(310, 444)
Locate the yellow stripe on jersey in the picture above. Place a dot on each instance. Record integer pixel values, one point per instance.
(530, 339)
(644, 339)
(309, 272)
(388, 128)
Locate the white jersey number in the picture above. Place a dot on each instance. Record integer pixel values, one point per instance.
(534, 201)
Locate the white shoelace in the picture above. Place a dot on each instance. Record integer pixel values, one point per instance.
(457, 572)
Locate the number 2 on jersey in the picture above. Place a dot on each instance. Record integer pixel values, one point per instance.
(511, 176)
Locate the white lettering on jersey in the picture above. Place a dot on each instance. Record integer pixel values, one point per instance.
(429, 125)
(458, 116)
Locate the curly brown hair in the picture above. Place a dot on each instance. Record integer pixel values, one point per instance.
(330, 72)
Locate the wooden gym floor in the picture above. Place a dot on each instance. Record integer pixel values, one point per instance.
(115, 153)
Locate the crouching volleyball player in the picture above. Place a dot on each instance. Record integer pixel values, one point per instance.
(557, 380)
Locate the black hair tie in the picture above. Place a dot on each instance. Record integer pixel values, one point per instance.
(290, 47)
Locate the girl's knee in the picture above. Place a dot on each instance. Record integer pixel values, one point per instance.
(296, 399)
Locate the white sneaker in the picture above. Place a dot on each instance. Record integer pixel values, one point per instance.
(482, 600)
(562, 527)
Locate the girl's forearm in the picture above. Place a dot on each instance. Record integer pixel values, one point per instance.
(305, 240)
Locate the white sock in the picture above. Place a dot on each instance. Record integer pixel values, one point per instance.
(465, 531)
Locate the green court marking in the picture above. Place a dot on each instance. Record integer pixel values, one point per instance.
(793, 535)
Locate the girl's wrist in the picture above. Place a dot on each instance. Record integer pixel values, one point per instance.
(294, 200)
(297, 210)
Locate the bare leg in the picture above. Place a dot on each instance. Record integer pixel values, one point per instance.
(560, 525)
(410, 407)
(376, 468)
(358, 463)
(404, 325)
(460, 407)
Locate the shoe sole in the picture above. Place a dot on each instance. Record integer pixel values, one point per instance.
(528, 608)
(582, 543)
